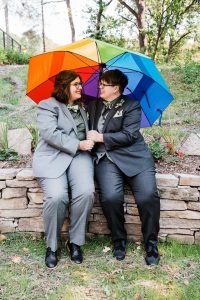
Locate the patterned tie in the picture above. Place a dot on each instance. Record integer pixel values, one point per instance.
(73, 108)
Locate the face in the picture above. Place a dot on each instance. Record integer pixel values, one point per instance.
(75, 90)
(108, 91)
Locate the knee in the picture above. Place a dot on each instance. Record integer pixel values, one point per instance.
(54, 199)
(111, 198)
(88, 193)
(149, 197)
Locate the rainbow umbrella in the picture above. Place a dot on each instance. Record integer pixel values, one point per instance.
(90, 58)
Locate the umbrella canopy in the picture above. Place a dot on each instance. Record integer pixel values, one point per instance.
(90, 58)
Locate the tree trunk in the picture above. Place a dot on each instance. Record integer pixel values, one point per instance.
(99, 15)
(71, 22)
(43, 32)
(140, 19)
(141, 24)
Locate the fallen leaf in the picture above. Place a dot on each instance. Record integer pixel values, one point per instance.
(2, 237)
(16, 259)
(26, 250)
(106, 249)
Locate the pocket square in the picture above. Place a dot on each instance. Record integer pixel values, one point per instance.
(118, 114)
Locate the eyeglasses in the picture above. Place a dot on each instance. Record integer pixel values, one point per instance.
(77, 84)
(101, 85)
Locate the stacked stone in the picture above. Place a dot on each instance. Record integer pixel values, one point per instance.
(21, 207)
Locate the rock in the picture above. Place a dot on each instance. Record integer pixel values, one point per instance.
(15, 203)
(21, 213)
(192, 145)
(166, 180)
(32, 184)
(36, 198)
(183, 239)
(25, 174)
(7, 225)
(8, 173)
(188, 179)
(9, 193)
(20, 140)
(172, 205)
(2, 185)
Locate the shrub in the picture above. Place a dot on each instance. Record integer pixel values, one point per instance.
(6, 153)
(10, 56)
(157, 150)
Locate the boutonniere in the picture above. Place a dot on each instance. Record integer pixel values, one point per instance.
(120, 103)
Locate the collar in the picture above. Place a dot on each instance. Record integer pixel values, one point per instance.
(110, 104)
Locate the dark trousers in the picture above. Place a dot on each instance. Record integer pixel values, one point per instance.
(111, 181)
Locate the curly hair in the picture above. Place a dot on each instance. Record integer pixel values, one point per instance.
(61, 89)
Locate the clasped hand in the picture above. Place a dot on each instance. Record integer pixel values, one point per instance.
(95, 136)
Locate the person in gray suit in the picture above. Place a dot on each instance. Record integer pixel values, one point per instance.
(63, 165)
(121, 155)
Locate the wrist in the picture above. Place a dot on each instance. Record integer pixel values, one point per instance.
(100, 139)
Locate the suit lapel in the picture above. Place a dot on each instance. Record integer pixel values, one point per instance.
(68, 114)
(99, 108)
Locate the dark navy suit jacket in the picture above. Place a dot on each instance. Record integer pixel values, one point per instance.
(122, 138)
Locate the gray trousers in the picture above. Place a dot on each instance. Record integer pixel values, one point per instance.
(78, 178)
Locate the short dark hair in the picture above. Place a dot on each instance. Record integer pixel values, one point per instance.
(61, 89)
(115, 77)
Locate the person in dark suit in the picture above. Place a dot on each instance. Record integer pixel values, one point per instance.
(61, 153)
(122, 155)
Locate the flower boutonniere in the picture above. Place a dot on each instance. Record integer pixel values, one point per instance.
(120, 103)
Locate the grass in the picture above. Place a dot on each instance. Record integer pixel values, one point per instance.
(24, 276)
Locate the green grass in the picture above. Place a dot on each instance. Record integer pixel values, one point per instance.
(100, 276)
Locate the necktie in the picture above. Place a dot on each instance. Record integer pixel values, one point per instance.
(102, 118)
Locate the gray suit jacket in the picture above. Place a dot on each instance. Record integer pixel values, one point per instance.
(58, 140)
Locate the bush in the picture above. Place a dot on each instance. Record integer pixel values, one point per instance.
(10, 56)
(3, 58)
(157, 150)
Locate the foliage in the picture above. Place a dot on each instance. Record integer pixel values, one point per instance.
(169, 24)
(192, 75)
(158, 151)
(6, 153)
(34, 133)
(10, 56)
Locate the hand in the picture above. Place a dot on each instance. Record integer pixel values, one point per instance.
(95, 136)
(86, 145)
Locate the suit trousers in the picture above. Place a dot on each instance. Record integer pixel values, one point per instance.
(143, 186)
(78, 180)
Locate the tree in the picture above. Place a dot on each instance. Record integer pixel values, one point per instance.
(136, 9)
(170, 22)
(98, 21)
(71, 22)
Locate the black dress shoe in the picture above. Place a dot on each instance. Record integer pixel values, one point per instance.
(51, 259)
(152, 254)
(119, 250)
(75, 252)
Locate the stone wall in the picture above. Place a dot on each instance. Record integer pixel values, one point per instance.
(21, 207)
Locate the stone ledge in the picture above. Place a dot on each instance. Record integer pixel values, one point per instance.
(21, 207)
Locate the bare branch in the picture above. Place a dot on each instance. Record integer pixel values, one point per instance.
(129, 8)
